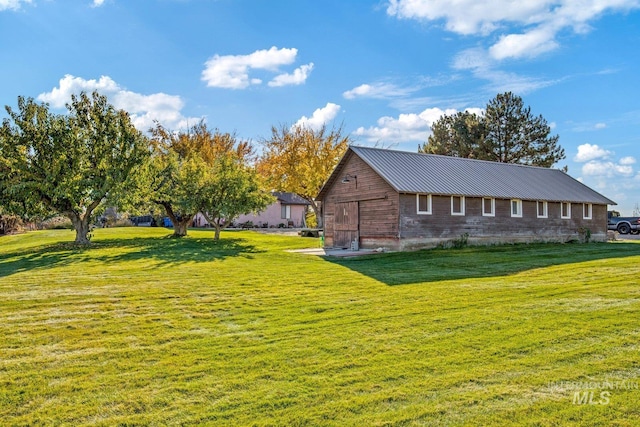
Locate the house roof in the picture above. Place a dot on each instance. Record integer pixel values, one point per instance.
(289, 198)
(410, 172)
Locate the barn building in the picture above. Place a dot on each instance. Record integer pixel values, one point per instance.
(402, 201)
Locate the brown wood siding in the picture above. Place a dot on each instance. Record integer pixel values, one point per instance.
(442, 225)
(389, 219)
(346, 224)
(377, 201)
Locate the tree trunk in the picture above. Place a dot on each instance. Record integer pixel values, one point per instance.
(180, 227)
(181, 224)
(81, 225)
(217, 223)
(316, 211)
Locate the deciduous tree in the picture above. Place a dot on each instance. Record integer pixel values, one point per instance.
(176, 184)
(185, 175)
(300, 159)
(232, 189)
(68, 164)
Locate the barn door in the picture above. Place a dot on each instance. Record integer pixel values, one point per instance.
(345, 224)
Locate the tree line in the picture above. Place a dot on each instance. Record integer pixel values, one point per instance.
(78, 163)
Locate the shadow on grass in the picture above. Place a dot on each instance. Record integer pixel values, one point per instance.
(160, 250)
(435, 265)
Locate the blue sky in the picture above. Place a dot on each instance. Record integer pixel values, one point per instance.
(384, 69)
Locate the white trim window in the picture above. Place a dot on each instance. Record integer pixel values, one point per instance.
(516, 208)
(423, 204)
(587, 211)
(565, 210)
(488, 206)
(457, 205)
(542, 209)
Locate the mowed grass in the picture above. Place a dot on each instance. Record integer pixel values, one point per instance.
(140, 329)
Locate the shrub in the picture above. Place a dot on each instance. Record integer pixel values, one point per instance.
(56, 223)
(585, 234)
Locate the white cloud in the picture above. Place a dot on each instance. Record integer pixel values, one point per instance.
(69, 85)
(378, 91)
(587, 152)
(588, 126)
(299, 76)
(472, 59)
(531, 26)
(405, 128)
(628, 160)
(143, 109)
(320, 116)
(483, 66)
(468, 17)
(616, 179)
(606, 169)
(12, 4)
(530, 44)
(98, 3)
(232, 71)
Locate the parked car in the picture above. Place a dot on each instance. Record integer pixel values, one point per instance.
(142, 220)
(623, 225)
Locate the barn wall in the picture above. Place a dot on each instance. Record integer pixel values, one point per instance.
(440, 226)
(377, 205)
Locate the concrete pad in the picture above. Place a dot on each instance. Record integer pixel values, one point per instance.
(334, 252)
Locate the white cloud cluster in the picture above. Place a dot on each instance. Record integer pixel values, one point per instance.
(320, 117)
(599, 162)
(12, 4)
(232, 71)
(531, 26)
(587, 152)
(606, 169)
(405, 128)
(143, 109)
(616, 179)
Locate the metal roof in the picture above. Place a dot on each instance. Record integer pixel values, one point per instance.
(410, 172)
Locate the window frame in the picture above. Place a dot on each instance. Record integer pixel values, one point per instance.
(285, 211)
(519, 205)
(568, 216)
(429, 204)
(493, 206)
(590, 215)
(545, 209)
(462, 206)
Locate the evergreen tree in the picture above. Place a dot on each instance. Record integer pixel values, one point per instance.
(507, 133)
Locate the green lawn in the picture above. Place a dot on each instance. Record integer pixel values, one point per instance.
(141, 329)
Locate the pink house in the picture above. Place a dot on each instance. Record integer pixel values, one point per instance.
(289, 209)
